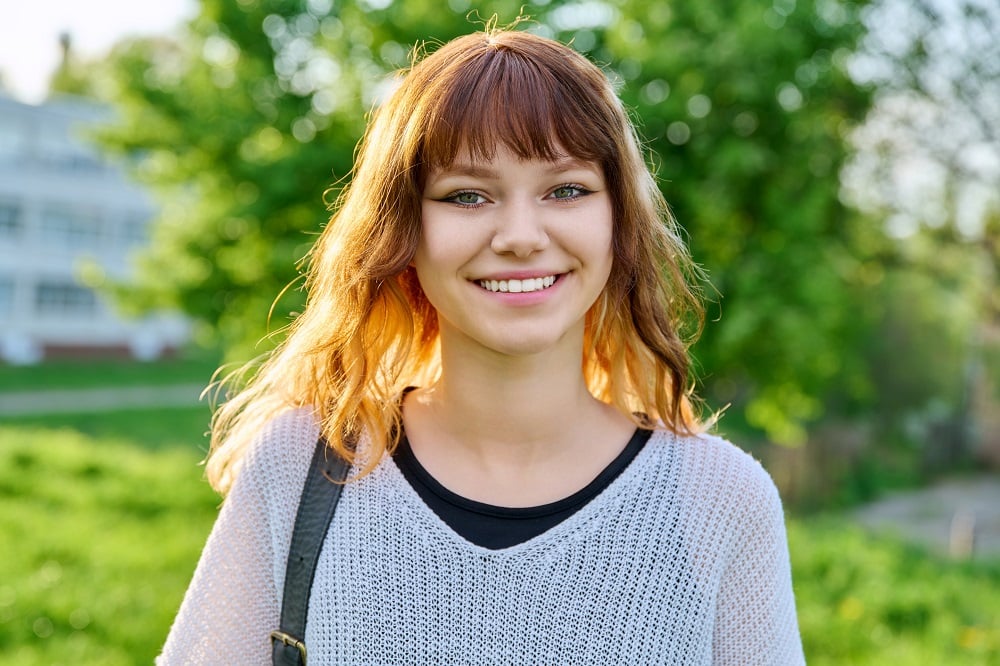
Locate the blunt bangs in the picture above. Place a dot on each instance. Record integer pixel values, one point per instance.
(523, 94)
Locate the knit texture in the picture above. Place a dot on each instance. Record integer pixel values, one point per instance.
(681, 560)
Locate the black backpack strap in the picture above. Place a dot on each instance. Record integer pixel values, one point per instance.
(316, 507)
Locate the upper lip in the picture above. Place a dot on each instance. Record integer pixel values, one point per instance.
(518, 275)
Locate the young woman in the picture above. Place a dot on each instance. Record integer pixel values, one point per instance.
(496, 338)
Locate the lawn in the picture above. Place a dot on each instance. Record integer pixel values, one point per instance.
(148, 429)
(100, 537)
(867, 601)
(195, 368)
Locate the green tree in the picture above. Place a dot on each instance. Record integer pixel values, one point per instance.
(747, 107)
(927, 161)
(248, 117)
(70, 76)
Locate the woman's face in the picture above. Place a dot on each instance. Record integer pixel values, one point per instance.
(514, 252)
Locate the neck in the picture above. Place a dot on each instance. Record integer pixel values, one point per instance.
(522, 406)
(513, 430)
(515, 409)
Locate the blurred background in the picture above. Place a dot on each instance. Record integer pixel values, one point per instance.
(835, 165)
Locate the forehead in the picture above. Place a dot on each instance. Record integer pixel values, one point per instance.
(467, 161)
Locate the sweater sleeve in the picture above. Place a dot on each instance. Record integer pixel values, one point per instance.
(756, 622)
(234, 599)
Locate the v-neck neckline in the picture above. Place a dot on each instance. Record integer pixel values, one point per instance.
(558, 535)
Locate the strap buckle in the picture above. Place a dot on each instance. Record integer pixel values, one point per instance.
(290, 640)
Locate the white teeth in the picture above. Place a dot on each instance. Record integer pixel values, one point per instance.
(518, 286)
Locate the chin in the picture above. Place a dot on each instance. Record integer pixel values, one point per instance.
(525, 345)
(520, 339)
(522, 348)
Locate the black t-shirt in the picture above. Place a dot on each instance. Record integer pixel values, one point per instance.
(497, 527)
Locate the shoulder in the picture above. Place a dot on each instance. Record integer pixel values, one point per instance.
(714, 471)
(277, 460)
(270, 478)
(284, 441)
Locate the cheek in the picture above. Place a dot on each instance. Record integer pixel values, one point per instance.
(430, 261)
(447, 244)
(422, 265)
(603, 251)
(428, 245)
(438, 261)
(603, 235)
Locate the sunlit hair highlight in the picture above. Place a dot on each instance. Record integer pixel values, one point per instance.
(368, 331)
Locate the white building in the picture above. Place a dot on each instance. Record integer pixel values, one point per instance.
(69, 220)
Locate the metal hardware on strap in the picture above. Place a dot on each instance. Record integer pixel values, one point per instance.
(291, 641)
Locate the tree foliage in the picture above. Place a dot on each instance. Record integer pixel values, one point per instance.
(245, 120)
(747, 108)
(930, 151)
(927, 161)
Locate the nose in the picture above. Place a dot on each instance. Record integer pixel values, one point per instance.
(520, 229)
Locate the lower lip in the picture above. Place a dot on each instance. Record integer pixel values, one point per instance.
(524, 298)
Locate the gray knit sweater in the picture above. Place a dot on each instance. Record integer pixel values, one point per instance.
(681, 560)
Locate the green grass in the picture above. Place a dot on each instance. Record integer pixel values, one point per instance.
(149, 428)
(100, 537)
(75, 374)
(152, 428)
(866, 601)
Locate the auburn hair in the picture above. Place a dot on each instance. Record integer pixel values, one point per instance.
(367, 331)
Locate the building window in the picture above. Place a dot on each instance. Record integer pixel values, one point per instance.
(63, 150)
(11, 223)
(12, 142)
(64, 298)
(6, 295)
(68, 227)
(135, 230)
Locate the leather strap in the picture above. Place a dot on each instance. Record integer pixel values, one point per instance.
(320, 495)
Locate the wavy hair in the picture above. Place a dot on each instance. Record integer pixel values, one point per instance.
(367, 331)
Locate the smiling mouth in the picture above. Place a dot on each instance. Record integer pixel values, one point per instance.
(518, 286)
